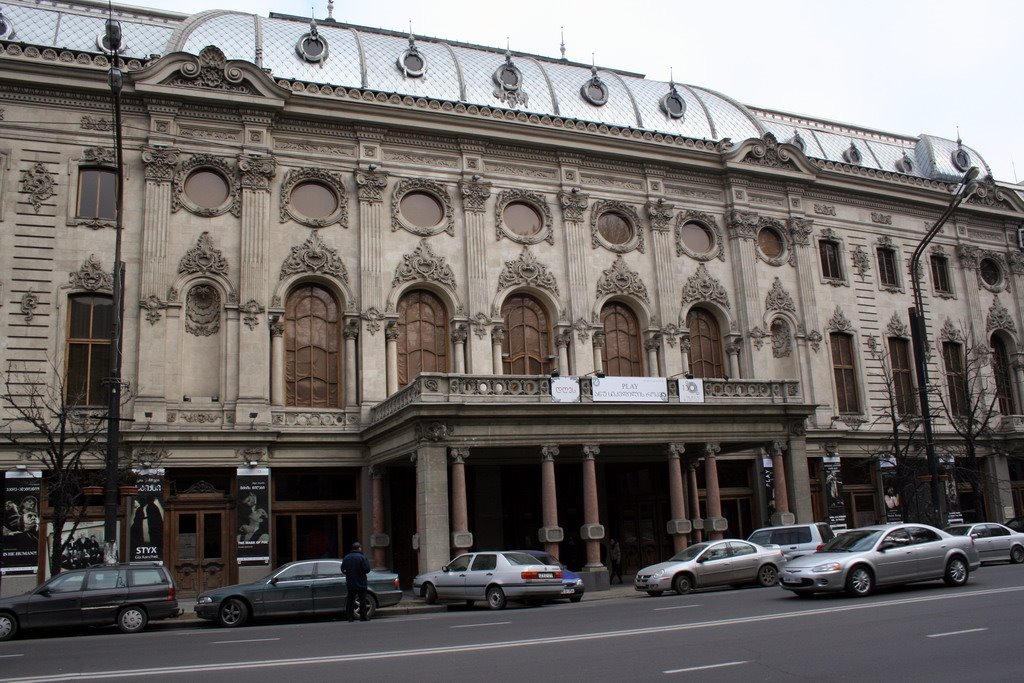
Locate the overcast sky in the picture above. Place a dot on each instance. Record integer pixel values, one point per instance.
(901, 66)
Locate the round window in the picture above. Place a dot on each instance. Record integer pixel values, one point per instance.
(206, 189)
(421, 209)
(697, 238)
(614, 228)
(522, 219)
(770, 243)
(673, 105)
(314, 200)
(990, 272)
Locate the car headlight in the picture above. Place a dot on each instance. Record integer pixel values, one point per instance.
(204, 600)
(827, 567)
(660, 572)
(579, 582)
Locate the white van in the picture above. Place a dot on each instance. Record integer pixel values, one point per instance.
(796, 539)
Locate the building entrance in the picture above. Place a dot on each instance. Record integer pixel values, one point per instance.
(638, 510)
(200, 550)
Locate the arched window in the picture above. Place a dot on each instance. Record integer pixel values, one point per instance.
(88, 352)
(1001, 370)
(423, 335)
(312, 338)
(622, 355)
(705, 344)
(527, 340)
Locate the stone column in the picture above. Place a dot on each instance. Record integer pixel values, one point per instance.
(379, 540)
(592, 532)
(1018, 381)
(432, 530)
(461, 536)
(574, 205)
(732, 350)
(1000, 499)
(497, 337)
(797, 479)
(679, 526)
(715, 523)
(277, 362)
(652, 344)
(459, 335)
(782, 514)
(351, 370)
(474, 203)
(599, 351)
(684, 349)
(391, 333)
(550, 534)
(695, 518)
(371, 184)
(563, 339)
(667, 281)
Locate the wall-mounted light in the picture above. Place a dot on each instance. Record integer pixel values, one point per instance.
(253, 416)
(148, 415)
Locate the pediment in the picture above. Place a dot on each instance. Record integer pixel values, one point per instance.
(769, 154)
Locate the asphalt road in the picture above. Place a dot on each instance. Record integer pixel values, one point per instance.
(927, 631)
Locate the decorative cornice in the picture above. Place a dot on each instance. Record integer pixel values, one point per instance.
(203, 258)
(210, 71)
(768, 152)
(91, 276)
(702, 286)
(620, 279)
(423, 264)
(527, 270)
(988, 194)
(313, 256)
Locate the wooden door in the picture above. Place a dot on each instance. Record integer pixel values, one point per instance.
(200, 552)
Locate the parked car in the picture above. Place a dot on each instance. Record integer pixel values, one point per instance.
(795, 539)
(713, 563)
(494, 576)
(861, 559)
(995, 542)
(1016, 523)
(572, 584)
(129, 595)
(303, 588)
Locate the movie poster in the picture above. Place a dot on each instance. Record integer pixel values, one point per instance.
(21, 522)
(954, 515)
(86, 545)
(832, 486)
(253, 515)
(769, 484)
(146, 517)
(891, 497)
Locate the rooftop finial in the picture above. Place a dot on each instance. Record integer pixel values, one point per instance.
(312, 23)
(412, 40)
(563, 42)
(959, 142)
(593, 65)
(671, 79)
(330, 9)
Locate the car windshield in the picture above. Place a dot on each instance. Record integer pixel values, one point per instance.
(690, 553)
(521, 559)
(958, 530)
(853, 541)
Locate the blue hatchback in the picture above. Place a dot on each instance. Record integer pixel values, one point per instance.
(572, 584)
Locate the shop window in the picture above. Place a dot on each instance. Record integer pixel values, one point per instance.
(705, 344)
(845, 373)
(90, 320)
(526, 348)
(953, 361)
(1001, 370)
(312, 340)
(622, 351)
(902, 383)
(97, 193)
(423, 335)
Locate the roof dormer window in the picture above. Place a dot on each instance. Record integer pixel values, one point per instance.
(905, 164)
(6, 27)
(852, 155)
(672, 103)
(412, 64)
(508, 80)
(961, 158)
(798, 142)
(311, 46)
(594, 90)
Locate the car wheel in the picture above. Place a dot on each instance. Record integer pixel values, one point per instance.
(860, 582)
(233, 612)
(495, 598)
(655, 594)
(957, 572)
(371, 608)
(8, 626)
(576, 598)
(768, 575)
(682, 584)
(429, 594)
(1016, 554)
(132, 619)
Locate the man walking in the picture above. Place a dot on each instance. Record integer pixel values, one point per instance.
(355, 567)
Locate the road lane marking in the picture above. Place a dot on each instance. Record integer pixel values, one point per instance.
(6, 656)
(956, 633)
(250, 640)
(491, 623)
(499, 645)
(702, 668)
(662, 609)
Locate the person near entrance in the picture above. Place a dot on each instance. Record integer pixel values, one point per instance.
(615, 560)
(355, 567)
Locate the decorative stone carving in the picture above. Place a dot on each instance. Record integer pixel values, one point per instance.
(38, 184)
(604, 206)
(103, 156)
(423, 264)
(91, 276)
(211, 71)
(527, 270)
(707, 221)
(573, 204)
(1016, 262)
(277, 327)
(203, 258)
(179, 198)
(769, 152)
(861, 261)
(508, 84)
(506, 197)
(474, 195)
(153, 307)
(743, 224)
(96, 123)
(824, 209)
(480, 323)
(702, 286)
(619, 279)
(969, 256)
(778, 298)
(839, 322)
(582, 328)
(459, 333)
(372, 318)
(160, 163)
(987, 193)
(670, 333)
(434, 189)
(331, 180)
(432, 431)
(199, 418)
(29, 302)
(814, 339)
(498, 334)
(251, 311)
(660, 214)
(800, 232)
(782, 339)
(951, 333)
(257, 170)
(202, 311)
(758, 335)
(881, 218)
(896, 327)
(313, 256)
(371, 184)
(999, 318)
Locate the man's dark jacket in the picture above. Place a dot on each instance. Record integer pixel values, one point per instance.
(355, 567)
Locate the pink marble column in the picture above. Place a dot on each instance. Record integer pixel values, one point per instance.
(551, 534)
(678, 526)
(379, 541)
(461, 537)
(695, 500)
(714, 496)
(592, 532)
(779, 477)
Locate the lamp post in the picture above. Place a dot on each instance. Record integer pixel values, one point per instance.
(918, 334)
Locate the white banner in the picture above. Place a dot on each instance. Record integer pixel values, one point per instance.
(565, 389)
(691, 390)
(631, 389)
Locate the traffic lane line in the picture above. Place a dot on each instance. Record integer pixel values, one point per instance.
(250, 640)
(8, 656)
(703, 668)
(662, 609)
(956, 633)
(489, 623)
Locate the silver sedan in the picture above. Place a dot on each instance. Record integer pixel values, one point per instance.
(861, 559)
(715, 563)
(497, 577)
(995, 542)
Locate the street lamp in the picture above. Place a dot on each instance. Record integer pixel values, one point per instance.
(919, 334)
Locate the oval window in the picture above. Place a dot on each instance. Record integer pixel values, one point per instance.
(770, 243)
(990, 272)
(314, 200)
(522, 219)
(697, 238)
(614, 228)
(206, 189)
(421, 209)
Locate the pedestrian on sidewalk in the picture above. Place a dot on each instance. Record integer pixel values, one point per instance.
(355, 567)
(615, 559)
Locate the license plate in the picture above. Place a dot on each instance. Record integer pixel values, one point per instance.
(545, 575)
(568, 591)
(790, 580)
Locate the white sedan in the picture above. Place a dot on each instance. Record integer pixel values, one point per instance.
(716, 563)
(496, 576)
(995, 542)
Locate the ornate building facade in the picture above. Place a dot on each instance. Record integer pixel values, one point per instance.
(359, 263)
